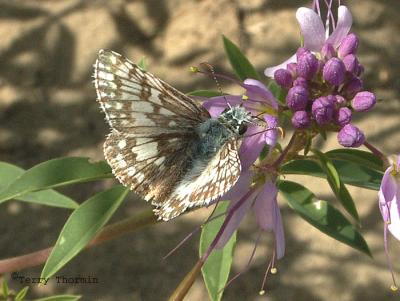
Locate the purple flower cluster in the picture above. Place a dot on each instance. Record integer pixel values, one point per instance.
(325, 88)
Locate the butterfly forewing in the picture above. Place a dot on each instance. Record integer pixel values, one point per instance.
(153, 134)
(138, 102)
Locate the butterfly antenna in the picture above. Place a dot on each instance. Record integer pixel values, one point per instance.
(211, 68)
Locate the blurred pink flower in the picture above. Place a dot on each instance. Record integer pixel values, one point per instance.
(315, 33)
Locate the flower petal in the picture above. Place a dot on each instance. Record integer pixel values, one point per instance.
(271, 136)
(263, 206)
(271, 70)
(279, 233)
(345, 20)
(257, 91)
(251, 147)
(216, 105)
(268, 215)
(389, 185)
(312, 28)
(235, 194)
(394, 226)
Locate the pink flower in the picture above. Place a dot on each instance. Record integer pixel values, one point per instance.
(244, 195)
(315, 34)
(262, 200)
(389, 198)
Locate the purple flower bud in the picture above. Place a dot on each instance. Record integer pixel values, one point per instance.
(350, 136)
(297, 98)
(291, 67)
(301, 51)
(363, 101)
(328, 51)
(283, 78)
(340, 101)
(343, 116)
(353, 86)
(307, 65)
(351, 63)
(348, 45)
(334, 71)
(301, 120)
(300, 81)
(322, 109)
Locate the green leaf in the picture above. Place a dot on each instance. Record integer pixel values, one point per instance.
(350, 173)
(5, 289)
(240, 64)
(217, 267)
(82, 226)
(60, 298)
(21, 294)
(278, 92)
(357, 156)
(322, 215)
(338, 188)
(143, 63)
(55, 173)
(205, 93)
(8, 174)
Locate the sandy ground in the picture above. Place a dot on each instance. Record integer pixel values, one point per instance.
(48, 109)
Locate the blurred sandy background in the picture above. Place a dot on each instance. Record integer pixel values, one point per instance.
(48, 109)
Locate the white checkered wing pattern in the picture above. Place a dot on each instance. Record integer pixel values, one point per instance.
(152, 135)
(202, 185)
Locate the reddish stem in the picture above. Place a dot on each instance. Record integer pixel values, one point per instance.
(110, 232)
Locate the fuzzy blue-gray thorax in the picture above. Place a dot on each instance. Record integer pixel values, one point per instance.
(236, 118)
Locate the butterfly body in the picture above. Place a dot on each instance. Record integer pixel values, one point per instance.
(163, 144)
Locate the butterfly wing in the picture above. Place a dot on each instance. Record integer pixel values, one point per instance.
(153, 132)
(136, 102)
(203, 184)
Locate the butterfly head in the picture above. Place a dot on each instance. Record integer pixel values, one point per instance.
(237, 118)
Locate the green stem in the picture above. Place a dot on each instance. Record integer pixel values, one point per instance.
(285, 151)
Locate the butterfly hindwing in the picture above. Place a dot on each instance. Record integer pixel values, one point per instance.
(204, 184)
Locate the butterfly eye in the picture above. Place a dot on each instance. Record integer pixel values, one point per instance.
(242, 129)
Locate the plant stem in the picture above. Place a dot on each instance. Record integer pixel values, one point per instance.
(183, 288)
(285, 151)
(109, 232)
(377, 153)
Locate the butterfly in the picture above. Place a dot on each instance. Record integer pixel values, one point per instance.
(163, 144)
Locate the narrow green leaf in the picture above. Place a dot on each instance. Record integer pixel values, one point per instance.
(218, 265)
(143, 63)
(322, 215)
(357, 156)
(5, 289)
(239, 62)
(350, 173)
(278, 92)
(82, 226)
(21, 294)
(205, 93)
(338, 188)
(60, 298)
(8, 174)
(55, 173)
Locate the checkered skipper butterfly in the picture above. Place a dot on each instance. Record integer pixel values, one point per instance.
(164, 145)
